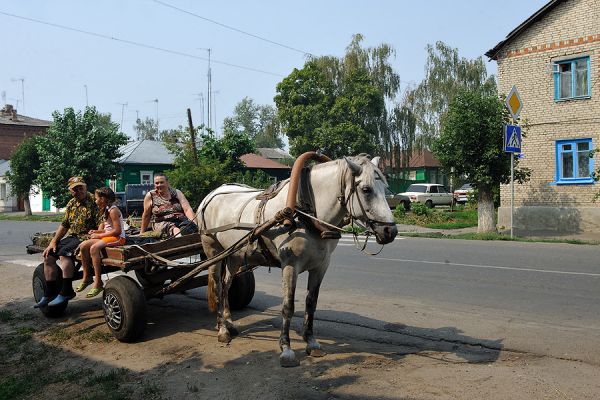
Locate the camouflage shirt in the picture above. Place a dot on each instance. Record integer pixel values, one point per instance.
(81, 216)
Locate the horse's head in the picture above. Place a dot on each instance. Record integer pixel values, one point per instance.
(365, 194)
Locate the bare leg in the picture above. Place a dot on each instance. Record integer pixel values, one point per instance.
(287, 358)
(50, 268)
(96, 253)
(313, 348)
(86, 258)
(68, 269)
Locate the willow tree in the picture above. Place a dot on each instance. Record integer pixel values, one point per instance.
(446, 74)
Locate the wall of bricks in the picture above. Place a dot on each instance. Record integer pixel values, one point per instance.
(570, 30)
(12, 135)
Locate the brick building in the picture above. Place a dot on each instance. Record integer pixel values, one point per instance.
(553, 58)
(14, 128)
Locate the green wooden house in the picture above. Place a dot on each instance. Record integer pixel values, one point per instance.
(140, 160)
(422, 167)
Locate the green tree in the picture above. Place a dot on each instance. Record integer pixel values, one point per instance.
(219, 162)
(146, 129)
(78, 144)
(23, 166)
(472, 143)
(259, 122)
(337, 105)
(446, 73)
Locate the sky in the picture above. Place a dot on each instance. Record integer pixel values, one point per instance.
(66, 53)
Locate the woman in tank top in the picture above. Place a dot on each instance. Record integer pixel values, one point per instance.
(166, 209)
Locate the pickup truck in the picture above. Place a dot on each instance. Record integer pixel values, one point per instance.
(430, 194)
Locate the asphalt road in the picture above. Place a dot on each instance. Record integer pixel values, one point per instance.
(538, 298)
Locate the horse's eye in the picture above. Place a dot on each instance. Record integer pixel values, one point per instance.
(367, 189)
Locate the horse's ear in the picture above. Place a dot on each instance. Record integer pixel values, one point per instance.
(375, 161)
(354, 167)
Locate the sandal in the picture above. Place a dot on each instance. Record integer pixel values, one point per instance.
(82, 286)
(94, 292)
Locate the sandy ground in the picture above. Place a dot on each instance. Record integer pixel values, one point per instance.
(178, 357)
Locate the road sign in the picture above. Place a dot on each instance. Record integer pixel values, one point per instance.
(512, 138)
(514, 103)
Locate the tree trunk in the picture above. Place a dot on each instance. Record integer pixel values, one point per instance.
(26, 204)
(485, 211)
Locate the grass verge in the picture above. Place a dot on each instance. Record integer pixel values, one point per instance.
(42, 218)
(491, 236)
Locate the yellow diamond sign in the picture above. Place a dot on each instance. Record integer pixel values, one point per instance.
(514, 103)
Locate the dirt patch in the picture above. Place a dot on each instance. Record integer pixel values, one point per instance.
(179, 358)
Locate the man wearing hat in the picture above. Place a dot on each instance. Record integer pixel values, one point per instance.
(81, 216)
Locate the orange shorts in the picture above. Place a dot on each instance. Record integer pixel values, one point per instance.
(114, 241)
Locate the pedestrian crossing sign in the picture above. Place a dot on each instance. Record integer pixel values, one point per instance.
(512, 138)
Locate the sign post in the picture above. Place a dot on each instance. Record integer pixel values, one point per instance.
(512, 143)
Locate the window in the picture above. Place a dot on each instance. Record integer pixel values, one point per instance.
(2, 191)
(146, 177)
(573, 161)
(433, 189)
(572, 78)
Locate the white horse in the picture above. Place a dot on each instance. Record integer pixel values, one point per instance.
(333, 192)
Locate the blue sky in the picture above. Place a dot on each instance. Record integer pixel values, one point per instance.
(57, 64)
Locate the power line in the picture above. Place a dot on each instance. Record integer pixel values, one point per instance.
(147, 46)
(233, 28)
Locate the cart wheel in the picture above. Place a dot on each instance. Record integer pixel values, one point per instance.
(241, 291)
(124, 307)
(38, 284)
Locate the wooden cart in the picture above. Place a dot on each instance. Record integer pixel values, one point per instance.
(124, 298)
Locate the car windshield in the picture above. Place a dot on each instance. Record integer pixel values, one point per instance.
(416, 188)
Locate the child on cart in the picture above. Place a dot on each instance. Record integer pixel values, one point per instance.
(111, 232)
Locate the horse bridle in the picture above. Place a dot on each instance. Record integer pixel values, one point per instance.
(346, 202)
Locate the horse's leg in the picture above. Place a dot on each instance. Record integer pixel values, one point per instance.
(313, 348)
(289, 277)
(215, 286)
(229, 325)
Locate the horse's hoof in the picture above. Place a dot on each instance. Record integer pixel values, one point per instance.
(288, 359)
(223, 336)
(315, 352)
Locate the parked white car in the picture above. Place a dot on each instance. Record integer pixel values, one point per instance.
(430, 194)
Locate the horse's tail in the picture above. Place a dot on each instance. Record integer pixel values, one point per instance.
(211, 293)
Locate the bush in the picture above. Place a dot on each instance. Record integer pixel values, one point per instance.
(399, 211)
(420, 209)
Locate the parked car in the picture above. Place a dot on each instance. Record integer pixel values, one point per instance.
(461, 195)
(395, 199)
(430, 194)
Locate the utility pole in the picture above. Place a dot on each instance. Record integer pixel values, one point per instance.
(123, 105)
(215, 110)
(23, 89)
(86, 96)
(201, 101)
(156, 101)
(209, 86)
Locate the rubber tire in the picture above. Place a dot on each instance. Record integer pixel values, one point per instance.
(429, 204)
(124, 293)
(406, 205)
(38, 285)
(241, 291)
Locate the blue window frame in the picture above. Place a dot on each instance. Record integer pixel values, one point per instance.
(572, 79)
(573, 161)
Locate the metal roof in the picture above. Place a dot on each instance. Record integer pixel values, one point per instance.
(493, 53)
(272, 153)
(145, 152)
(252, 160)
(4, 167)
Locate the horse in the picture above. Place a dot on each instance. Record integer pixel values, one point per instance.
(334, 192)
